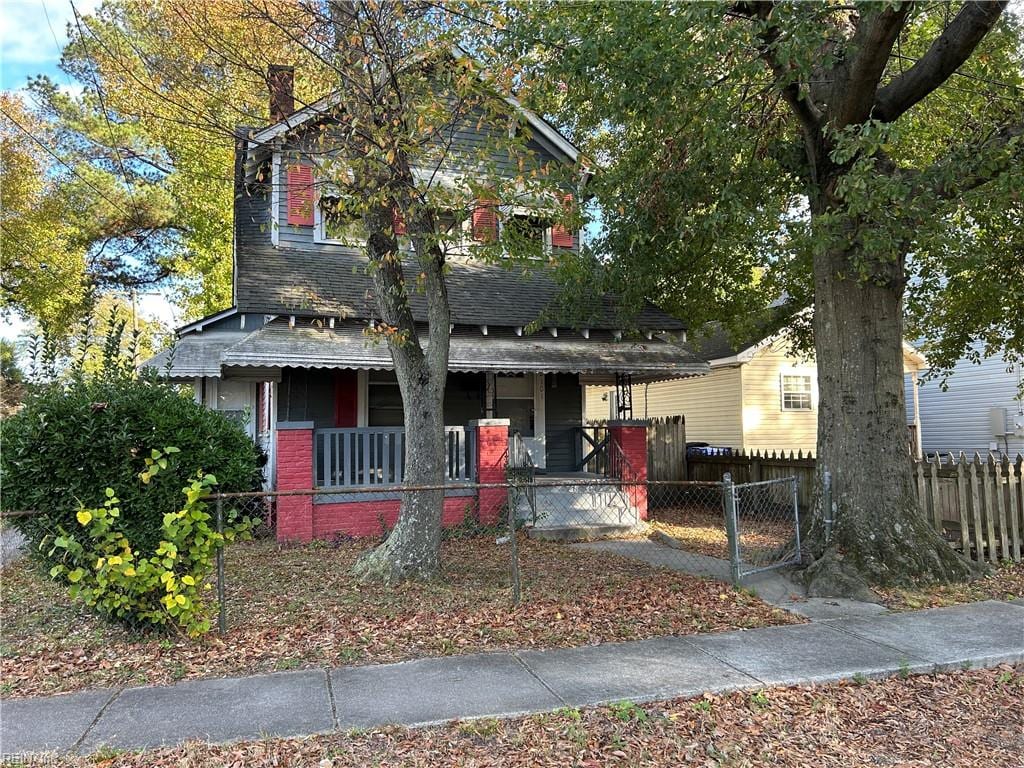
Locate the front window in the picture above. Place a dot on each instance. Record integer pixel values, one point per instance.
(796, 392)
(513, 396)
(384, 406)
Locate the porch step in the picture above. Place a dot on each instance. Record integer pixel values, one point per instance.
(578, 512)
(576, 533)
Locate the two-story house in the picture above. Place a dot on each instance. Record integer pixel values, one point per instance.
(291, 357)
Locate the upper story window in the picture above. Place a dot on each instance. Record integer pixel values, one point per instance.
(335, 220)
(796, 392)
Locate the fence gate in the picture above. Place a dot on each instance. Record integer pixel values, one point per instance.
(762, 523)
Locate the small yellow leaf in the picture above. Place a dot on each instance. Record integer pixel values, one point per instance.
(179, 599)
(114, 560)
(188, 580)
(129, 571)
(84, 516)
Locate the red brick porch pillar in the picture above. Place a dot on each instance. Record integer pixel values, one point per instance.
(294, 472)
(630, 437)
(491, 458)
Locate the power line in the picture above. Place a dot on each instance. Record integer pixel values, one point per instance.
(106, 118)
(62, 161)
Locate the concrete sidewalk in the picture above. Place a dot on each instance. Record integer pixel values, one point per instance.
(506, 684)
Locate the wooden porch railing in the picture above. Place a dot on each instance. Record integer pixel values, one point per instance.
(375, 456)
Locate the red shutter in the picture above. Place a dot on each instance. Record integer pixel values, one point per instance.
(485, 221)
(560, 236)
(300, 195)
(397, 222)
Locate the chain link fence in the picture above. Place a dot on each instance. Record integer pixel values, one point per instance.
(720, 530)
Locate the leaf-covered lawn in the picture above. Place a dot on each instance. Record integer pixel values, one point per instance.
(955, 720)
(296, 607)
(1004, 582)
(701, 530)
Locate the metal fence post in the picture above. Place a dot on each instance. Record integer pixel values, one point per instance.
(796, 516)
(826, 502)
(731, 526)
(514, 545)
(222, 619)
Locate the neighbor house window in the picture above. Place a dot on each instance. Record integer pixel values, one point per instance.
(796, 392)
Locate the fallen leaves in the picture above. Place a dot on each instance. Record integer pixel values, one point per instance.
(959, 720)
(298, 607)
(1005, 582)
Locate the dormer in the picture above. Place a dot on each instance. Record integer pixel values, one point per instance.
(306, 208)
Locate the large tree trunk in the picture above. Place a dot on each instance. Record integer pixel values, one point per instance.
(412, 549)
(878, 536)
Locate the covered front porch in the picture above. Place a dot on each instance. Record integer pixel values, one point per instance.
(359, 439)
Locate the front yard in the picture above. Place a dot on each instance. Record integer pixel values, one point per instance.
(297, 607)
(960, 720)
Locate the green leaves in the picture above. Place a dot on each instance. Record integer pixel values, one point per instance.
(165, 587)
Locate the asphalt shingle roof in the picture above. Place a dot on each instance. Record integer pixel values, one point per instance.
(310, 282)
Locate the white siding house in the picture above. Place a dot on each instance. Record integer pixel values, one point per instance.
(981, 401)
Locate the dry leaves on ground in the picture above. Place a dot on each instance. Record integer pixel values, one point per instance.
(1004, 582)
(954, 720)
(701, 530)
(298, 607)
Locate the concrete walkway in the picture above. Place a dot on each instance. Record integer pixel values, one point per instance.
(771, 586)
(507, 684)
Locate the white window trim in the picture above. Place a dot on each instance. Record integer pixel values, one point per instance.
(810, 376)
(276, 182)
(319, 231)
(509, 211)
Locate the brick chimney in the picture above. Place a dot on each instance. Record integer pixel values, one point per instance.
(281, 84)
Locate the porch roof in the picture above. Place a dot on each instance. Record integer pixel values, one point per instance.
(307, 345)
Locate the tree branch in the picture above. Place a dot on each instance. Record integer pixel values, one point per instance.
(950, 50)
(955, 176)
(871, 45)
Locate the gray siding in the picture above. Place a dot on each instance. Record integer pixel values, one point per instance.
(958, 419)
(563, 416)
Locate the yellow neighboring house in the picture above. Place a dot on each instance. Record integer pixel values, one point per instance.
(758, 397)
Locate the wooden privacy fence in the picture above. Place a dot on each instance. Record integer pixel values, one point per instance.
(976, 503)
(666, 448)
(756, 466)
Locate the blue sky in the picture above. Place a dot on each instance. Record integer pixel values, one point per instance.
(32, 34)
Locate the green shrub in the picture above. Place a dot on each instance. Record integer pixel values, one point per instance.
(74, 438)
(167, 587)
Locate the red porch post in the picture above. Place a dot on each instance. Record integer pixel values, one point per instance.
(491, 455)
(630, 437)
(294, 473)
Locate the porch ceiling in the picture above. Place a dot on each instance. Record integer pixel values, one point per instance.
(345, 346)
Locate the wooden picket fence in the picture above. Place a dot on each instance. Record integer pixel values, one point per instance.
(976, 503)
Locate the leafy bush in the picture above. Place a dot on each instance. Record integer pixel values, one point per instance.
(108, 574)
(74, 438)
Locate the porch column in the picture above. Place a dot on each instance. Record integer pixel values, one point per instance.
(629, 436)
(491, 458)
(294, 472)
